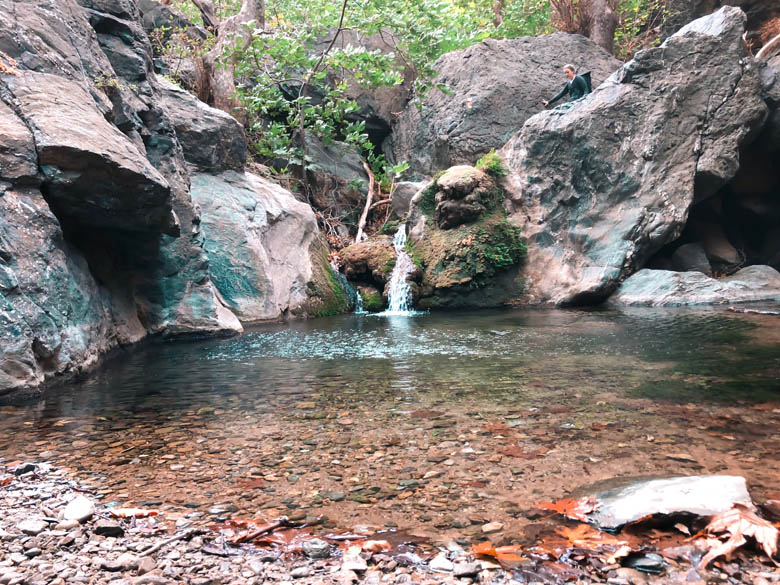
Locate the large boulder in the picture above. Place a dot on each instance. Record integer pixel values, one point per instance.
(599, 189)
(212, 140)
(666, 288)
(493, 87)
(257, 237)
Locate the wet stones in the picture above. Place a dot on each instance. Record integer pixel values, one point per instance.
(316, 549)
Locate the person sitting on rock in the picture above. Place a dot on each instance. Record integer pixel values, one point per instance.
(576, 87)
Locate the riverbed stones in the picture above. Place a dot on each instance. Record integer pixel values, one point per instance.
(316, 549)
(108, 528)
(597, 190)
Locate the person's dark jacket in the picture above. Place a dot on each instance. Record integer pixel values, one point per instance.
(576, 88)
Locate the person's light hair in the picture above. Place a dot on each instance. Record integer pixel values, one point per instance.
(570, 67)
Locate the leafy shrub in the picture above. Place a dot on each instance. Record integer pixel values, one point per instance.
(492, 164)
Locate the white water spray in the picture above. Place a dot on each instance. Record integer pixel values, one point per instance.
(400, 293)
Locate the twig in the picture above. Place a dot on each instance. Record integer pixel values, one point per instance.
(378, 203)
(167, 541)
(265, 529)
(369, 199)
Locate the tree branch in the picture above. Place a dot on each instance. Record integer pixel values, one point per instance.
(369, 199)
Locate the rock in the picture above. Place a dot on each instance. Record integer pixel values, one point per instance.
(108, 528)
(125, 562)
(631, 576)
(260, 241)
(492, 527)
(32, 527)
(79, 509)
(316, 549)
(495, 87)
(402, 197)
(299, 572)
(369, 262)
(463, 195)
(441, 563)
(599, 189)
(715, 243)
(664, 288)
(91, 156)
(770, 249)
(146, 565)
(691, 258)
(336, 174)
(703, 495)
(18, 159)
(646, 563)
(212, 140)
(461, 570)
(352, 561)
(23, 468)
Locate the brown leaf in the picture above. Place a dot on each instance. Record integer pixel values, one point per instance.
(375, 546)
(585, 536)
(738, 523)
(571, 508)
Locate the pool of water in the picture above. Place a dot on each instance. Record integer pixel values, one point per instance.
(437, 422)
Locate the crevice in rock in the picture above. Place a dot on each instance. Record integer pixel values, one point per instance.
(738, 226)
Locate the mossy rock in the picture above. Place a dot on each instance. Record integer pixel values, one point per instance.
(373, 301)
(369, 262)
(326, 295)
(471, 266)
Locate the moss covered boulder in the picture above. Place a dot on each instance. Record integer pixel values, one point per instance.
(474, 263)
(370, 262)
(373, 300)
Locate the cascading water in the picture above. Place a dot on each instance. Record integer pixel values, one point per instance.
(400, 293)
(355, 300)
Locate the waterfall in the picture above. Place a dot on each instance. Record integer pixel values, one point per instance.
(400, 293)
(353, 295)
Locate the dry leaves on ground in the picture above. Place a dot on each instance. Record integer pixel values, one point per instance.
(505, 555)
(737, 524)
(571, 508)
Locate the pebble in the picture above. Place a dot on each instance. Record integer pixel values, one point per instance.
(299, 572)
(492, 527)
(146, 565)
(466, 569)
(316, 549)
(441, 563)
(108, 528)
(32, 527)
(79, 508)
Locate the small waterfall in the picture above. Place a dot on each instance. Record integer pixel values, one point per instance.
(400, 293)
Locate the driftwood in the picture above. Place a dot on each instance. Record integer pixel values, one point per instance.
(264, 529)
(184, 535)
(369, 199)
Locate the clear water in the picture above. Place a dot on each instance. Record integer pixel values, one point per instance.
(526, 404)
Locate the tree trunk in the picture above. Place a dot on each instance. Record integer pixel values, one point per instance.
(601, 21)
(221, 72)
(498, 12)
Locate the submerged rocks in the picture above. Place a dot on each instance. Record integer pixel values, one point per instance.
(666, 288)
(599, 189)
(493, 87)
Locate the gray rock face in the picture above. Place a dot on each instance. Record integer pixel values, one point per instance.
(666, 288)
(496, 86)
(704, 495)
(601, 188)
(402, 197)
(691, 257)
(257, 237)
(93, 194)
(211, 140)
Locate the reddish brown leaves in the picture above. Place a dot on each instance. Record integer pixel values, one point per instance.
(735, 525)
(505, 555)
(6, 480)
(571, 508)
(584, 536)
(132, 513)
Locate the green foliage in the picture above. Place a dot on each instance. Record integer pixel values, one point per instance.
(492, 164)
(427, 202)
(492, 249)
(372, 300)
(389, 227)
(637, 24)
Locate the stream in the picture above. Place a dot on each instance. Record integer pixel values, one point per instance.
(437, 422)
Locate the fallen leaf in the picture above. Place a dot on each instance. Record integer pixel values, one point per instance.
(503, 554)
(682, 528)
(585, 536)
(621, 552)
(6, 480)
(738, 523)
(571, 508)
(375, 546)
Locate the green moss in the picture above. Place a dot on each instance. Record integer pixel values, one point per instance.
(427, 202)
(492, 164)
(372, 301)
(389, 265)
(389, 227)
(338, 301)
(411, 249)
(326, 295)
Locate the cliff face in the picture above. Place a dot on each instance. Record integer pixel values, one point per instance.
(101, 243)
